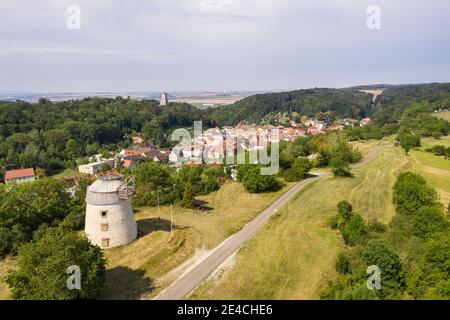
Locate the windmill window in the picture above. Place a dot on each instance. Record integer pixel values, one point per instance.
(104, 214)
(104, 227)
(105, 243)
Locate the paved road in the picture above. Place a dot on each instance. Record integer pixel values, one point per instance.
(187, 283)
(368, 159)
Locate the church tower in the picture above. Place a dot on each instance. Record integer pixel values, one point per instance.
(164, 99)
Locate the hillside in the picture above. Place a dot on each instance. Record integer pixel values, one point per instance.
(345, 103)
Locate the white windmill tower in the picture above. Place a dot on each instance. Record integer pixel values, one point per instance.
(109, 215)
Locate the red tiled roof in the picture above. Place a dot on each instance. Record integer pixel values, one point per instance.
(17, 174)
(127, 163)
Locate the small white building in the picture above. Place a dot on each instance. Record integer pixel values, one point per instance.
(96, 167)
(109, 215)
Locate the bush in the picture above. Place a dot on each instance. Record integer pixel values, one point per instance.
(342, 263)
(351, 225)
(291, 175)
(341, 168)
(302, 167)
(254, 182)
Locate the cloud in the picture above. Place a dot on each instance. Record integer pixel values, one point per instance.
(220, 44)
(69, 51)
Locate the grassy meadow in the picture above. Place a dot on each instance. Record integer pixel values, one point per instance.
(435, 169)
(289, 257)
(140, 269)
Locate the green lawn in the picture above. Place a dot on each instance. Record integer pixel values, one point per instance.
(290, 257)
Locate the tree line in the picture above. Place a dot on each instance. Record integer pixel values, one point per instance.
(412, 252)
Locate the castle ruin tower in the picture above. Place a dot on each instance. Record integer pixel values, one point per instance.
(109, 215)
(164, 99)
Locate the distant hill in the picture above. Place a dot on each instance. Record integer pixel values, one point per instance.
(344, 103)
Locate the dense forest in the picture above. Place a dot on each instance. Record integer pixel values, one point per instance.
(344, 103)
(391, 105)
(52, 135)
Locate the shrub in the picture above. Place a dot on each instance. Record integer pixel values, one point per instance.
(342, 263)
(254, 182)
(302, 166)
(291, 175)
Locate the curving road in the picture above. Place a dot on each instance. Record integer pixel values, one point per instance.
(188, 282)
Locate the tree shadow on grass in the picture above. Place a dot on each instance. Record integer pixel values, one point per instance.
(123, 283)
(147, 226)
(202, 205)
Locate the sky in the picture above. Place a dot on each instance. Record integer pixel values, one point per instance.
(220, 45)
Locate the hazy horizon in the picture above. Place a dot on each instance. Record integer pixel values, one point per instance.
(219, 45)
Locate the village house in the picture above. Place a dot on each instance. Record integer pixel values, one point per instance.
(96, 167)
(138, 139)
(313, 130)
(20, 176)
(364, 122)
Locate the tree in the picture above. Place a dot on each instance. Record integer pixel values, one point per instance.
(106, 167)
(350, 224)
(155, 180)
(429, 220)
(188, 197)
(379, 253)
(25, 207)
(302, 166)
(254, 182)
(341, 168)
(342, 263)
(291, 175)
(409, 141)
(42, 268)
(411, 193)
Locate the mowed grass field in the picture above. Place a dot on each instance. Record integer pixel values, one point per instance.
(435, 169)
(140, 270)
(290, 257)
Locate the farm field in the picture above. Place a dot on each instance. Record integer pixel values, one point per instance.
(290, 256)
